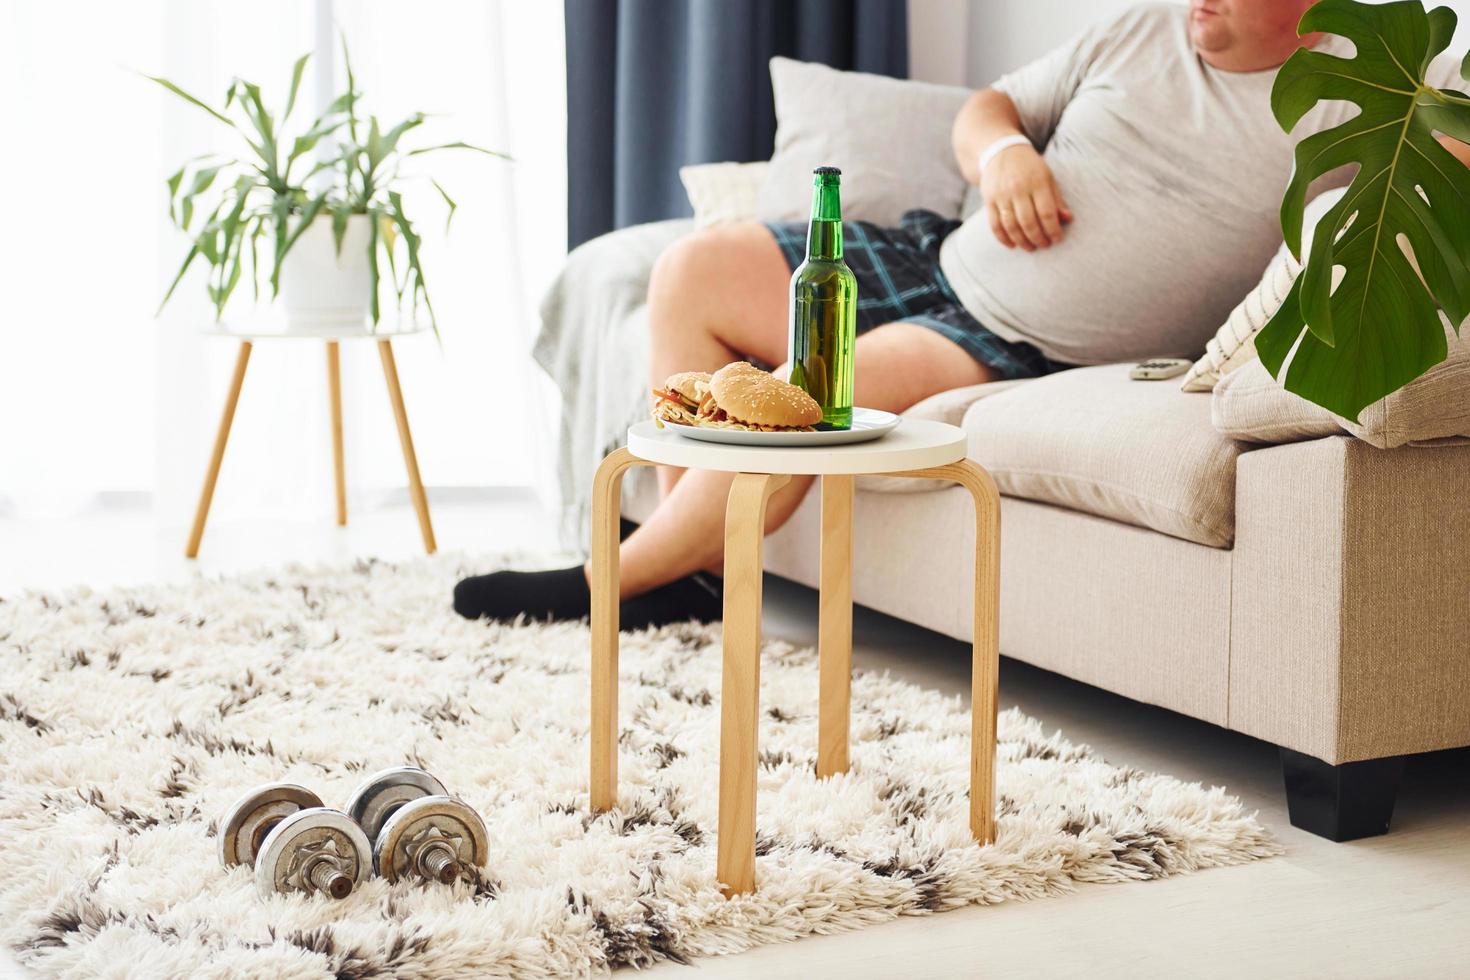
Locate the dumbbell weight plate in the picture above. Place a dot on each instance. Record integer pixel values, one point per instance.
(306, 837)
(432, 818)
(384, 792)
(245, 826)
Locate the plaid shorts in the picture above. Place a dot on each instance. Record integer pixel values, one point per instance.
(899, 280)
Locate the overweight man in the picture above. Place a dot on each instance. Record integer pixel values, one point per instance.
(1131, 179)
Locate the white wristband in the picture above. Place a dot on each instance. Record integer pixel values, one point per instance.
(994, 149)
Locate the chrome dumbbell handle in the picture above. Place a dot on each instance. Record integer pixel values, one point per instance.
(438, 862)
(294, 843)
(436, 837)
(326, 877)
(315, 850)
(416, 827)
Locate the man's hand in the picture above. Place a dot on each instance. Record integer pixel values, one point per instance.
(1025, 205)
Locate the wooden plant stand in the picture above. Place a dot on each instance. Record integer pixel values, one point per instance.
(334, 397)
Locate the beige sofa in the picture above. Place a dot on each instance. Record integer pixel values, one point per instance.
(1312, 594)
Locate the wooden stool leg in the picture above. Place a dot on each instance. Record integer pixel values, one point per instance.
(607, 488)
(211, 475)
(985, 650)
(334, 397)
(745, 528)
(400, 414)
(834, 626)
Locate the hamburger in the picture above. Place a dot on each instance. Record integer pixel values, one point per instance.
(737, 396)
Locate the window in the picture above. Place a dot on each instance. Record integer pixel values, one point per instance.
(97, 397)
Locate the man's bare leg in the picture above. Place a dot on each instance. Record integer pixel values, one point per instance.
(897, 366)
(716, 296)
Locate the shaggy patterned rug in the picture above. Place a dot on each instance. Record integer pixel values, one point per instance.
(129, 721)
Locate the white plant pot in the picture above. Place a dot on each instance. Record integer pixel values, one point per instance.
(324, 291)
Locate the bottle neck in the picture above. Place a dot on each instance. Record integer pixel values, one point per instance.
(824, 235)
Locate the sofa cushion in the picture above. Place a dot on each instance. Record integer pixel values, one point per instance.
(1090, 439)
(890, 136)
(948, 407)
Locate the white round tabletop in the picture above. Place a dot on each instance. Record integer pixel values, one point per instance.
(915, 445)
(275, 327)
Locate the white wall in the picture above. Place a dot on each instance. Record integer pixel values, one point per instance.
(1006, 34)
(939, 41)
(972, 42)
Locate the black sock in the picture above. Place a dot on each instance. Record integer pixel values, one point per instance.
(700, 597)
(562, 594)
(559, 593)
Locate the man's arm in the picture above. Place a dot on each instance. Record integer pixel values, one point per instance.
(1024, 204)
(986, 116)
(1460, 150)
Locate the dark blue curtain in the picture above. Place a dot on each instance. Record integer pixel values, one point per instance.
(653, 85)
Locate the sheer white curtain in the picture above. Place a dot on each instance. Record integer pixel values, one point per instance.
(97, 397)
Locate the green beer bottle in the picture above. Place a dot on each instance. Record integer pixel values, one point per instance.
(824, 308)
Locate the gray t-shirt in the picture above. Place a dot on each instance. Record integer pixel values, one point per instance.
(1174, 171)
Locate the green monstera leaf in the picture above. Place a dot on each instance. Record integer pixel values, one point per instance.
(1379, 327)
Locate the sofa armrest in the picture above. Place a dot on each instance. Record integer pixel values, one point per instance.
(611, 269)
(593, 343)
(1350, 612)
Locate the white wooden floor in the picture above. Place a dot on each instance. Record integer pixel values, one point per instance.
(1395, 906)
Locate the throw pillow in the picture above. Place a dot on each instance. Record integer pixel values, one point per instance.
(1251, 406)
(723, 192)
(890, 137)
(1234, 343)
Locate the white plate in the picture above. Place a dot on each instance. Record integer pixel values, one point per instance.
(867, 424)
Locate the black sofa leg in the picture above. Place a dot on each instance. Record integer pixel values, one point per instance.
(1343, 802)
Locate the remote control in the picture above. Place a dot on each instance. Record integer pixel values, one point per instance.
(1159, 369)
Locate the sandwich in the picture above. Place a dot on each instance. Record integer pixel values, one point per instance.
(679, 399)
(737, 396)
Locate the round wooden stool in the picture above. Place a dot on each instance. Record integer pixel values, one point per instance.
(917, 448)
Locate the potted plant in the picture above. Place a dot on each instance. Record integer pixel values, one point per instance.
(1367, 331)
(319, 228)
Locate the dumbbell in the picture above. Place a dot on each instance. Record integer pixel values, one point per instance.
(416, 827)
(294, 842)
